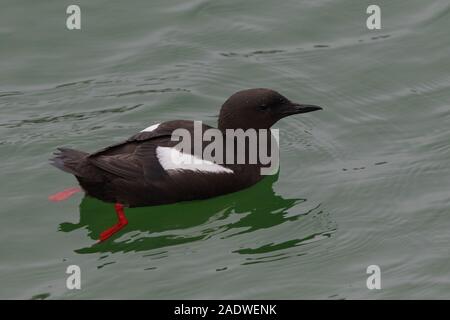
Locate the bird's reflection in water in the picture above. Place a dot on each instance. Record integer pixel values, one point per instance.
(257, 207)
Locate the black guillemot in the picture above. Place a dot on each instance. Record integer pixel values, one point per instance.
(140, 171)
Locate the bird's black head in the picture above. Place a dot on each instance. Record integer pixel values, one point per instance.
(258, 109)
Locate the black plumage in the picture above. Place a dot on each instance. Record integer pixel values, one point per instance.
(130, 172)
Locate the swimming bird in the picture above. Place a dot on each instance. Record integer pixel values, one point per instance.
(144, 171)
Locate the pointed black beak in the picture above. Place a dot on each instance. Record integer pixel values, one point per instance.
(296, 108)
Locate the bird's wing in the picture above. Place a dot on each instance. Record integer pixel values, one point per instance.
(124, 166)
(136, 157)
(162, 129)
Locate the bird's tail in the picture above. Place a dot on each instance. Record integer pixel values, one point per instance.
(69, 160)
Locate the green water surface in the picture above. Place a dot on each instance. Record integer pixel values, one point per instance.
(366, 181)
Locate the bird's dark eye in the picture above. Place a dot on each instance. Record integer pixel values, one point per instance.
(283, 101)
(263, 107)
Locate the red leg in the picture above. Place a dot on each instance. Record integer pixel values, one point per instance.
(65, 194)
(122, 222)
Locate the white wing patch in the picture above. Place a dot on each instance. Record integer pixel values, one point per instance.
(172, 159)
(151, 128)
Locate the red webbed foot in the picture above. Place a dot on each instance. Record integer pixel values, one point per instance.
(64, 195)
(122, 222)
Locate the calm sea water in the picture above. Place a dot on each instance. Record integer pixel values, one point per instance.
(366, 181)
